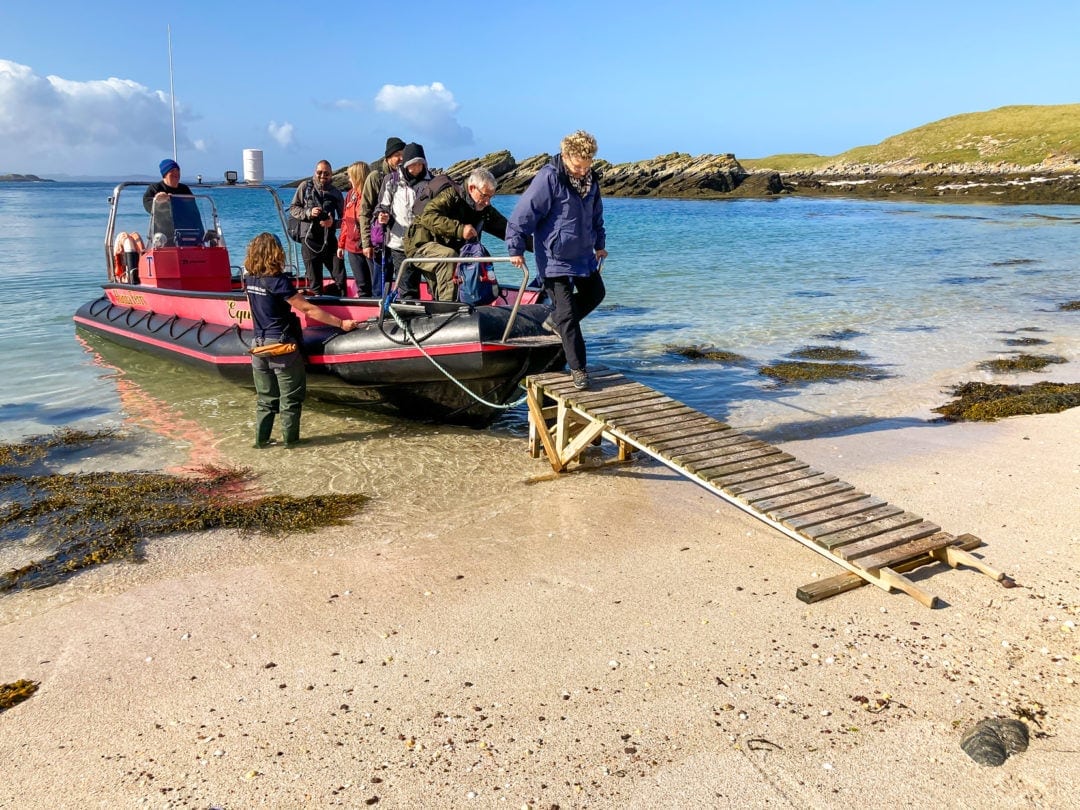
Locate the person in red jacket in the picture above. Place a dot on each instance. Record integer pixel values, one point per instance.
(350, 245)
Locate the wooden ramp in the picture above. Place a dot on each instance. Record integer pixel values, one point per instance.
(875, 541)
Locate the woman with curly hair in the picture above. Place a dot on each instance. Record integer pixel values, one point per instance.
(276, 362)
(562, 210)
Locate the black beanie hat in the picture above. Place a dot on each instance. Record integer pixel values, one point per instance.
(413, 151)
(393, 145)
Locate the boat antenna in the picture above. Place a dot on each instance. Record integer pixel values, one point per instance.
(172, 95)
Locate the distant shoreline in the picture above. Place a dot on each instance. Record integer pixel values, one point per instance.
(24, 178)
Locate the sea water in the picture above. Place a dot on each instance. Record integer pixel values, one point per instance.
(926, 291)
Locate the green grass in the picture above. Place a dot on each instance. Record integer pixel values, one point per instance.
(1022, 135)
(787, 163)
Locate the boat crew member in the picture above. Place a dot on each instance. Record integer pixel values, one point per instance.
(563, 211)
(170, 184)
(276, 362)
(318, 204)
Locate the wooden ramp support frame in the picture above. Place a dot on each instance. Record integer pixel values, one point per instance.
(876, 542)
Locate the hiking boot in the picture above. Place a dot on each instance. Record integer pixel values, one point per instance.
(581, 378)
(549, 326)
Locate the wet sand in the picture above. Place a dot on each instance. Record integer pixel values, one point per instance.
(614, 638)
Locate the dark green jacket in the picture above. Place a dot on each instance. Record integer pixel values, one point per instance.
(369, 198)
(445, 217)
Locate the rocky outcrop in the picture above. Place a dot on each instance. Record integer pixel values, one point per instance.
(995, 186)
(679, 175)
(673, 175)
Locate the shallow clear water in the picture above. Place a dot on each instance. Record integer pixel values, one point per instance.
(925, 290)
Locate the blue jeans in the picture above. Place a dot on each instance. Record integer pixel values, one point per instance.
(280, 386)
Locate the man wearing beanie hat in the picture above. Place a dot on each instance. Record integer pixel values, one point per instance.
(395, 211)
(170, 184)
(369, 197)
(393, 145)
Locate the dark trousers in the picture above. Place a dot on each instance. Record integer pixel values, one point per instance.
(574, 297)
(361, 271)
(280, 386)
(408, 286)
(316, 262)
(382, 271)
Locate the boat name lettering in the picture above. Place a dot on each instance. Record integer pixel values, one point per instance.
(237, 313)
(130, 299)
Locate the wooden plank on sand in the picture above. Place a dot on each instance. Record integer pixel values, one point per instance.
(897, 537)
(848, 581)
(865, 530)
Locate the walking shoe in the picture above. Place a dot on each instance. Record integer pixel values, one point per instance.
(549, 326)
(581, 378)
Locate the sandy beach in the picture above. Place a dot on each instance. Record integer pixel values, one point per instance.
(614, 638)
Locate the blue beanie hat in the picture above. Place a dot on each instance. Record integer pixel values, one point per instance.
(167, 165)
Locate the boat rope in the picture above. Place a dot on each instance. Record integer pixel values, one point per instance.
(408, 333)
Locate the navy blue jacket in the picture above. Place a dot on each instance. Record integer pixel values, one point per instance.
(567, 228)
(271, 313)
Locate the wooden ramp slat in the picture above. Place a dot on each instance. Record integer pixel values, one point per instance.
(874, 541)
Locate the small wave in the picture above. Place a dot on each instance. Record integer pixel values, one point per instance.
(967, 279)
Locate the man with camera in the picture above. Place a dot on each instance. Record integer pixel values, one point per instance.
(318, 204)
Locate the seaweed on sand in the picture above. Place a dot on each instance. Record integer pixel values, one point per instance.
(802, 371)
(12, 694)
(92, 518)
(1021, 362)
(1070, 306)
(706, 353)
(986, 402)
(37, 447)
(831, 353)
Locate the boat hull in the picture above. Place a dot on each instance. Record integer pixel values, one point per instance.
(379, 363)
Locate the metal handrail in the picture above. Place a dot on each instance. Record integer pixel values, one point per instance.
(289, 247)
(485, 260)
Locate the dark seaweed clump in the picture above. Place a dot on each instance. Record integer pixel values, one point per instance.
(841, 334)
(1025, 341)
(827, 353)
(94, 518)
(800, 371)
(1022, 362)
(707, 353)
(11, 694)
(1070, 306)
(986, 402)
(37, 447)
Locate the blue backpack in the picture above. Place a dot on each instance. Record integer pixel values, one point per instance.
(477, 286)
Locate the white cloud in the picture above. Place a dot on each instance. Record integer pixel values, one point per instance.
(282, 133)
(340, 104)
(429, 110)
(50, 124)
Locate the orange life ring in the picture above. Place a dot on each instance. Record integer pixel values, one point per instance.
(125, 243)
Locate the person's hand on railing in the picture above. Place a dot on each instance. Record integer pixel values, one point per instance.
(518, 262)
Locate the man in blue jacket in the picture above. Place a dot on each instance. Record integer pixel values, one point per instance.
(563, 212)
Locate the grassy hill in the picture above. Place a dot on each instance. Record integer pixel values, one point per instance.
(1020, 135)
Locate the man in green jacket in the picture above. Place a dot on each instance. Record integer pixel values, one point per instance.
(369, 196)
(453, 217)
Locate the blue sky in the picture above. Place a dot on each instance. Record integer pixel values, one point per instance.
(84, 86)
